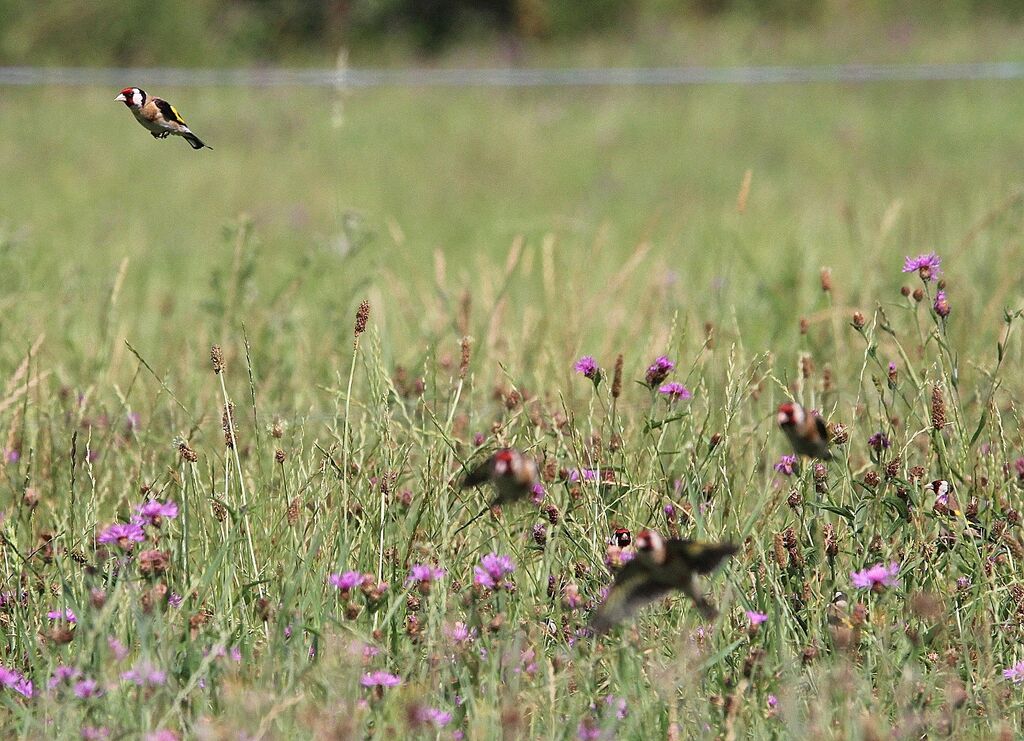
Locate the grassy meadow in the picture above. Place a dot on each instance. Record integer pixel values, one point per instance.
(543, 225)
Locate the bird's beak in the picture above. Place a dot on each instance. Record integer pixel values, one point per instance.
(121, 98)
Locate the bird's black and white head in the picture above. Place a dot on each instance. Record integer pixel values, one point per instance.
(650, 546)
(133, 97)
(791, 415)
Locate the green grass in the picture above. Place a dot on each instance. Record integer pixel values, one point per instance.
(545, 225)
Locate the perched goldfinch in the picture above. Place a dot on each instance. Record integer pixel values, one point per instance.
(659, 567)
(807, 432)
(160, 117)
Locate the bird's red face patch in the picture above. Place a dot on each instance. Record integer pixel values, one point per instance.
(644, 541)
(622, 537)
(787, 413)
(503, 462)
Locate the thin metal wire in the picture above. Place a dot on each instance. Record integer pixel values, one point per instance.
(511, 77)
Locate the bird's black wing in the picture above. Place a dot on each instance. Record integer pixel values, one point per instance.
(703, 558)
(822, 428)
(169, 112)
(479, 475)
(633, 588)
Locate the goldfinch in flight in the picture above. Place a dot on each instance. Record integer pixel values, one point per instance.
(159, 116)
(806, 431)
(659, 567)
(513, 474)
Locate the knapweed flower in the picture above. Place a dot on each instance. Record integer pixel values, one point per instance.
(658, 371)
(620, 705)
(582, 474)
(772, 701)
(380, 679)
(786, 465)
(67, 615)
(927, 266)
(756, 618)
(15, 681)
(675, 391)
(941, 304)
(588, 368)
(588, 730)
(175, 600)
(963, 583)
(433, 716)
(422, 575)
(93, 733)
(1015, 673)
(876, 578)
(346, 582)
(117, 648)
(87, 688)
(879, 441)
(13, 455)
(62, 675)
(144, 674)
(460, 634)
(154, 512)
(492, 569)
(124, 534)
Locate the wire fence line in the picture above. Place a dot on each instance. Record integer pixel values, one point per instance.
(511, 77)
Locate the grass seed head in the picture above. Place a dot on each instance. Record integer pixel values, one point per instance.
(217, 359)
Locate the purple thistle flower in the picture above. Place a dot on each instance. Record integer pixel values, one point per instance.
(786, 465)
(620, 705)
(459, 633)
(658, 371)
(175, 600)
(436, 717)
(152, 512)
(380, 679)
(92, 733)
(62, 615)
(675, 391)
(879, 441)
(756, 618)
(927, 266)
(421, 573)
(15, 681)
(772, 701)
(588, 730)
(144, 674)
(123, 534)
(117, 648)
(587, 367)
(537, 493)
(492, 569)
(87, 688)
(12, 456)
(582, 474)
(941, 304)
(1015, 673)
(347, 581)
(62, 675)
(877, 578)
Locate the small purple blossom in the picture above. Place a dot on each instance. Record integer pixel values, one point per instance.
(620, 705)
(117, 648)
(152, 512)
(675, 391)
(62, 675)
(93, 733)
(87, 688)
(786, 465)
(879, 441)
(756, 618)
(492, 569)
(1015, 673)
(963, 583)
(67, 615)
(941, 304)
(144, 674)
(587, 367)
(582, 474)
(123, 534)
(424, 574)
(15, 681)
(877, 577)
(772, 701)
(460, 634)
(347, 581)
(380, 679)
(927, 266)
(588, 730)
(658, 371)
(175, 600)
(537, 493)
(12, 455)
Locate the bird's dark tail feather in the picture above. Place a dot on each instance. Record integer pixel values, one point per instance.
(195, 141)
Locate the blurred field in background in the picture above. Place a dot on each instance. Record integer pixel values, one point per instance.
(543, 224)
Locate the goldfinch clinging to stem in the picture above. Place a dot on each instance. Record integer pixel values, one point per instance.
(159, 116)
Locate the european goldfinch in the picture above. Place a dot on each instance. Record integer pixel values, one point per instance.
(807, 432)
(659, 567)
(160, 117)
(513, 475)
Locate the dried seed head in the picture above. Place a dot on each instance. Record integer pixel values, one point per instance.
(467, 345)
(918, 294)
(185, 450)
(779, 550)
(617, 377)
(892, 468)
(551, 512)
(831, 542)
(794, 499)
(217, 358)
(839, 434)
(826, 379)
(277, 428)
(905, 291)
(293, 511)
(858, 320)
(279, 455)
(362, 314)
(938, 408)
(871, 479)
(805, 325)
(227, 423)
(219, 511)
(806, 366)
(826, 279)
